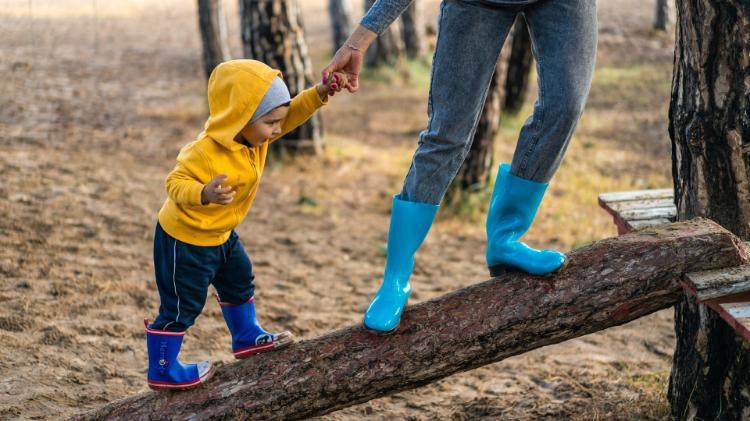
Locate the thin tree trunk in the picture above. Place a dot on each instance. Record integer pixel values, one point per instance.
(388, 47)
(413, 30)
(519, 67)
(710, 131)
(342, 24)
(212, 23)
(272, 33)
(662, 15)
(606, 284)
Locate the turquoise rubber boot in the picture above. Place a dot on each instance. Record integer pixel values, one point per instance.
(410, 222)
(512, 210)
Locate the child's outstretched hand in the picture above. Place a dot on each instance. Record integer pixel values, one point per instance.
(213, 192)
(335, 83)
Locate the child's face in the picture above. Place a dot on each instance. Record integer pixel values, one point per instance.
(265, 127)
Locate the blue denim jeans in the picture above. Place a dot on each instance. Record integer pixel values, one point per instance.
(470, 36)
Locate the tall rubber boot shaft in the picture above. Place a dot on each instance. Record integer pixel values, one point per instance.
(410, 223)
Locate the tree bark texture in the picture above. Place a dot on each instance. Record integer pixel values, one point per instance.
(710, 131)
(213, 26)
(340, 12)
(272, 33)
(519, 67)
(413, 30)
(387, 48)
(607, 283)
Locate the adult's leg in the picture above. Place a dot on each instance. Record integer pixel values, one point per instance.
(470, 37)
(563, 35)
(469, 40)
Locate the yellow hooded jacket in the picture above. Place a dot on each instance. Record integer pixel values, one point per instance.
(235, 90)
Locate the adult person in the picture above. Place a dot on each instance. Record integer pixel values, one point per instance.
(470, 36)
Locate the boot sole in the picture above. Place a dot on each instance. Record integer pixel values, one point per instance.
(179, 387)
(285, 338)
(380, 332)
(502, 269)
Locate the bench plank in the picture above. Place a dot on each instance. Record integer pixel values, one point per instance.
(719, 284)
(726, 291)
(640, 204)
(636, 225)
(639, 209)
(654, 213)
(637, 195)
(738, 316)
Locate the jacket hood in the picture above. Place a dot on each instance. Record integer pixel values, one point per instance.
(235, 90)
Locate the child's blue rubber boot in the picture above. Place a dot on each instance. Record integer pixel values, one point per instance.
(512, 210)
(410, 222)
(248, 337)
(165, 371)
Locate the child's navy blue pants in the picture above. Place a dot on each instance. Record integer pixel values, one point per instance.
(184, 271)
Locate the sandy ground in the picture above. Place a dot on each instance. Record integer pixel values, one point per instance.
(96, 102)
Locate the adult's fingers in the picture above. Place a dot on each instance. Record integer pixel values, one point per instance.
(353, 84)
(339, 60)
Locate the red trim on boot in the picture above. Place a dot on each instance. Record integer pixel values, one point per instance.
(157, 385)
(254, 349)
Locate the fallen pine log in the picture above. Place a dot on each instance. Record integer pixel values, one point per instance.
(605, 284)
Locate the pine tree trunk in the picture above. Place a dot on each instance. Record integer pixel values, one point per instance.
(710, 131)
(342, 25)
(519, 67)
(474, 174)
(413, 30)
(212, 23)
(662, 15)
(272, 33)
(388, 47)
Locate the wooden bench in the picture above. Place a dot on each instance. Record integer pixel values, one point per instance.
(634, 210)
(726, 291)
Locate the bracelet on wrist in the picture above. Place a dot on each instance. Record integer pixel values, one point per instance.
(348, 44)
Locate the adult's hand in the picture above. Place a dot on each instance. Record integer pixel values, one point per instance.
(348, 58)
(347, 61)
